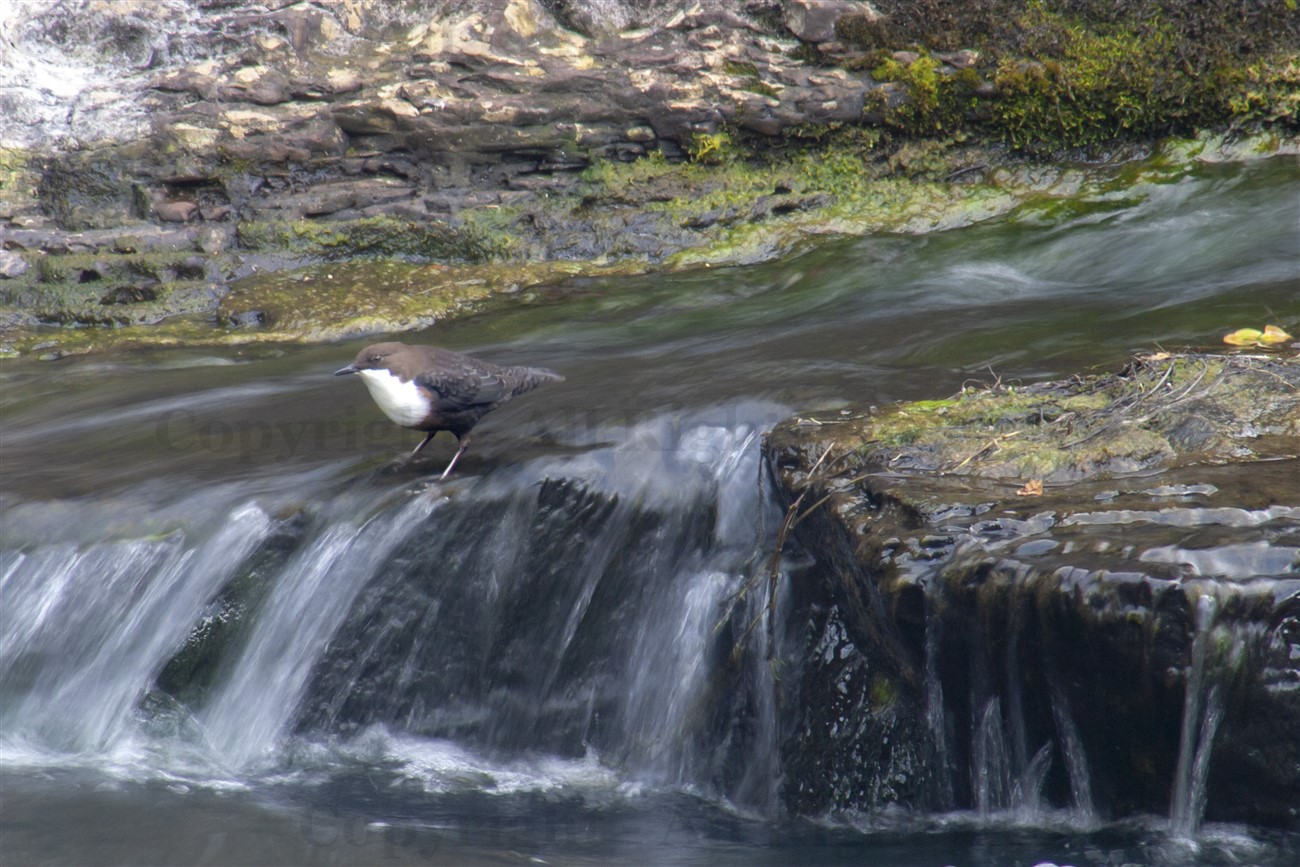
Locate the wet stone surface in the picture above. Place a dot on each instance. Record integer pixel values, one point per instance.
(1147, 602)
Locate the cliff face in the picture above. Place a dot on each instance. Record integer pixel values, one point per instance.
(181, 112)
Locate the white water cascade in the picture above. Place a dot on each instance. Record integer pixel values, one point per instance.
(1202, 712)
(582, 600)
(88, 627)
(246, 717)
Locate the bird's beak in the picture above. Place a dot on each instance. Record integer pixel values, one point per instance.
(344, 371)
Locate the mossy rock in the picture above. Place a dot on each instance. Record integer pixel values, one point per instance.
(326, 302)
(1161, 411)
(370, 237)
(1083, 74)
(624, 218)
(111, 289)
(94, 189)
(19, 180)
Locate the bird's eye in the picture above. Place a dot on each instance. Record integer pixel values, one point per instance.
(374, 359)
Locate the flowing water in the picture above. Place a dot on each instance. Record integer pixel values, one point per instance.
(234, 632)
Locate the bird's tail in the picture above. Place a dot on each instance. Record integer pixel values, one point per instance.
(528, 378)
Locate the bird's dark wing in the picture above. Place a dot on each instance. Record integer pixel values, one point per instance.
(465, 386)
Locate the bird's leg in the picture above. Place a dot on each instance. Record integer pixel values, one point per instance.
(424, 442)
(464, 444)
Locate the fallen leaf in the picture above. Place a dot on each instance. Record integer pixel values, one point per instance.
(1272, 334)
(1243, 337)
(1032, 488)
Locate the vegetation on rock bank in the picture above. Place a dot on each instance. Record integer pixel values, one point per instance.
(1161, 411)
(382, 274)
(1047, 77)
(934, 114)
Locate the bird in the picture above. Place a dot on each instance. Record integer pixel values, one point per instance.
(430, 389)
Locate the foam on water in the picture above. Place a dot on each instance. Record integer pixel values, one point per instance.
(442, 766)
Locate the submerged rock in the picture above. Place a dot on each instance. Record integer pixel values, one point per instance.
(190, 673)
(1123, 641)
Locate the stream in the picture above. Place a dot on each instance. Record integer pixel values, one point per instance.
(235, 630)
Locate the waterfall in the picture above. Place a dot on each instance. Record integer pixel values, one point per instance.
(245, 717)
(1027, 775)
(88, 627)
(934, 712)
(675, 663)
(1002, 781)
(584, 606)
(1202, 712)
(1076, 760)
(575, 605)
(990, 768)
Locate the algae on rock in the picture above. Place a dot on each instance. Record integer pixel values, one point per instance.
(1163, 410)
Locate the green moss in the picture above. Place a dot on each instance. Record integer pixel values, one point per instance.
(1269, 92)
(91, 189)
(834, 180)
(1102, 87)
(861, 141)
(326, 302)
(606, 176)
(108, 288)
(18, 177)
(13, 160)
(925, 25)
(748, 71)
(1083, 74)
(863, 31)
(373, 237)
(1002, 433)
(493, 228)
(883, 695)
(709, 147)
(829, 172)
(105, 268)
(940, 406)
(350, 297)
(935, 102)
(985, 411)
(1133, 421)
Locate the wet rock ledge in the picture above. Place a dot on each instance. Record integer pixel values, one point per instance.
(153, 155)
(1072, 588)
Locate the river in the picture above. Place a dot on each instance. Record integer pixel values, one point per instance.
(532, 662)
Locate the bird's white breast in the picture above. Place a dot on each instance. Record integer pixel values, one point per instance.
(401, 401)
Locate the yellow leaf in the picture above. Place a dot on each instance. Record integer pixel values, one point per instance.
(1032, 488)
(1272, 334)
(1243, 337)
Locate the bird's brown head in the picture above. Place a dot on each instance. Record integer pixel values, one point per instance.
(374, 357)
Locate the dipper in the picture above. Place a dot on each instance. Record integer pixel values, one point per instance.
(430, 389)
